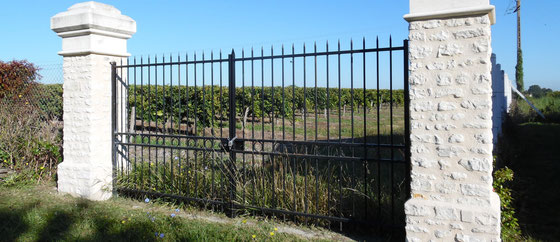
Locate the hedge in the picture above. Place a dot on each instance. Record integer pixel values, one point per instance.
(165, 103)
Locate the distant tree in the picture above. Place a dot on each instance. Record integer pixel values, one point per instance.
(537, 92)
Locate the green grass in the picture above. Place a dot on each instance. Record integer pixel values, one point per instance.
(549, 106)
(38, 213)
(531, 150)
(328, 128)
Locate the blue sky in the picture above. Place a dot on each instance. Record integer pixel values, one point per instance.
(188, 26)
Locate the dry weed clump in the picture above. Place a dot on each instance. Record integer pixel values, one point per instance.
(28, 144)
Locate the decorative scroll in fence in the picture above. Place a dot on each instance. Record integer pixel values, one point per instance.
(313, 136)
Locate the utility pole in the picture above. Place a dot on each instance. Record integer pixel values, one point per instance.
(519, 66)
(518, 9)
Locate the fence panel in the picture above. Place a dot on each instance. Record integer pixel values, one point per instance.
(314, 136)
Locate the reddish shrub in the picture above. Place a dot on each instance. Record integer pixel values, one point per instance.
(17, 78)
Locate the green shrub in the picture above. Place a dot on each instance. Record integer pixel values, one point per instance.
(510, 225)
(49, 101)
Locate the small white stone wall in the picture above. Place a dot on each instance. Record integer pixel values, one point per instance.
(451, 131)
(501, 98)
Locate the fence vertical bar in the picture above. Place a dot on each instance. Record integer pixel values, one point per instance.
(213, 116)
(253, 122)
(187, 98)
(391, 127)
(294, 121)
(406, 116)
(195, 127)
(221, 100)
(231, 70)
(244, 117)
(156, 118)
(316, 134)
(114, 122)
(142, 115)
(365, 123)
(272, 123)
(133, 124)
(122, 108)
(180, 118)
(339, 137)
(352, 123)
(284, 132)
(378, 130)
(149, 123)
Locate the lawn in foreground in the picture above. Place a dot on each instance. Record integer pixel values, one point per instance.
(38, 213)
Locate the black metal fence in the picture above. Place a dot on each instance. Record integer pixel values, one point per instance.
(309, 136)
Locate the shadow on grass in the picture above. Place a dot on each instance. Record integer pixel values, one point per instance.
(57, 225)
(531, 150)
(105, 230)
(32, 221)
(12, 224)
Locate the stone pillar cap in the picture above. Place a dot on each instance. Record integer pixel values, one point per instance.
(93, 18)
(432, 9)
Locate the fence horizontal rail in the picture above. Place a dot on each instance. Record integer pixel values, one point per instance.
(275, 141)
(252, 152)
(268, 57)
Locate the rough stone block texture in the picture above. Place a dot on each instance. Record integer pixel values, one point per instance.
(87, 167)
(451, 131)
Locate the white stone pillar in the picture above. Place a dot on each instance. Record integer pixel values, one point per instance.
(93, 35)
(451, 122)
